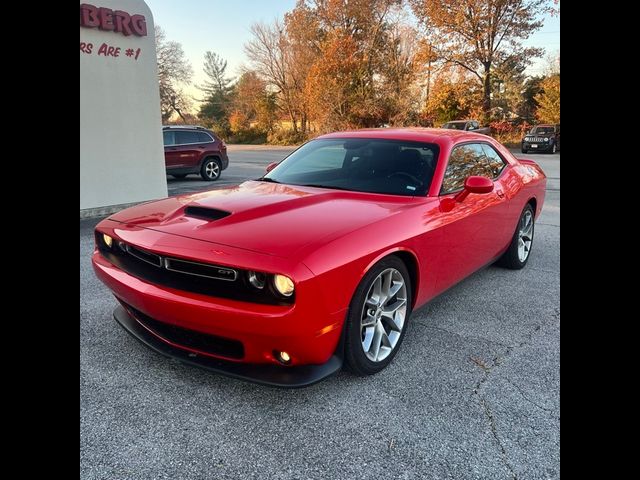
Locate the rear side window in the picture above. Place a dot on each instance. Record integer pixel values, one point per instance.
(186, 137)
(495, 162)
(204, 137)
(169, 138)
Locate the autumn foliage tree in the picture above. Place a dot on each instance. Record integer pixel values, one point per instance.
(549, 100)
(480, 35)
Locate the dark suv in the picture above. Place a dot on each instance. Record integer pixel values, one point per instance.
(542, 138)
(193, 150)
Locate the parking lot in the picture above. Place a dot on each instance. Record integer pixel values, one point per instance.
(472, 394)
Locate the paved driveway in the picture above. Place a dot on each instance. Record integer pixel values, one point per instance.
(472, 394)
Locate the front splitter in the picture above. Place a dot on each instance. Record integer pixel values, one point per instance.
(273, 375)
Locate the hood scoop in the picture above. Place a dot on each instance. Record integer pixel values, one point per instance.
(205, 213)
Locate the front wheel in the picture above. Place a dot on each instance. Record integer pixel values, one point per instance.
(524, 150)
(517, 255)
(210, 169)
(377, 317)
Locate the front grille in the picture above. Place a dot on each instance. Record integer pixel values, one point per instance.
(200, 269)
(143, 255)
(196, 277)
(203, 342)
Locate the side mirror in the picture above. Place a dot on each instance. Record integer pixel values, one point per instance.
(475, 184)
(271, 166)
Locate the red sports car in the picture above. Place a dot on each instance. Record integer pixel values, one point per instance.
(320, 262)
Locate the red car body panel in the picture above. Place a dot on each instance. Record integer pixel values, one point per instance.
(323, 239)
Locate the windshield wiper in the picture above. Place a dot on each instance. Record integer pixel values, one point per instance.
(270, 180)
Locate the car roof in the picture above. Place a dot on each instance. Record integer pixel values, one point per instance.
(415, 134)
(183, 127)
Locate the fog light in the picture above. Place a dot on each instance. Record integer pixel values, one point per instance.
(283, 357)
(283, 284)
(108, 241)
(257, 279)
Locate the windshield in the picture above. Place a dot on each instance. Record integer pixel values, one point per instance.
(360, 164)
(454, 125)
(542, 130)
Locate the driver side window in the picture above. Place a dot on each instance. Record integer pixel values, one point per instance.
(464, 161)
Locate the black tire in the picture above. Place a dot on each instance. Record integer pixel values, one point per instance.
(553, 149)
(524, 150)
(511, 258)
(179, 176)
(210, 169)
(355, 357)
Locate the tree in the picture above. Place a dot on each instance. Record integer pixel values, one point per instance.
(454, 95)
(345, 84)
(479, 35)
(218, 92)
(549, 100)
(269, 54)
(528, 105)
(174, 71)
(253, 104)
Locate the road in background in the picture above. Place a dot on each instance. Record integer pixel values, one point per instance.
(472, 394)
(250, 161)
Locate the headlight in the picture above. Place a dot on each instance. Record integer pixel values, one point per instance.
(108, 241)
(283, 284)
(546, 139)
(527, 139)
(257, 279)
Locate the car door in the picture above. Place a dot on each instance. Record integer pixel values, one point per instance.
(188, 148)
(473, 229)
(171, 154)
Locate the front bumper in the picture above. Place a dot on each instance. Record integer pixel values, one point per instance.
(537, 147)
(273, 375)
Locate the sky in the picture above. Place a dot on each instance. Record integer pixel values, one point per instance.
(222, 26)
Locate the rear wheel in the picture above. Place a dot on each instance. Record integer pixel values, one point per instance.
(517, 255)
(210, 169)
(378, 316)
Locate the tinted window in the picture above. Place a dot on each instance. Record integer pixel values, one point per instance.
(361, 164)
(475, 125)
(325, 157)
(542, 130)
(186, 137)
(204, 137)
(454, 125)
(169, 138)
(494, 161)
(464, 161)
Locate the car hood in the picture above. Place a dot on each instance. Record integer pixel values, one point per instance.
(269, 218)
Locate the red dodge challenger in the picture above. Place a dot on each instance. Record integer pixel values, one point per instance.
(320, 262)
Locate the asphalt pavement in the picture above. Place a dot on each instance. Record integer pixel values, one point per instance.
(472, 394)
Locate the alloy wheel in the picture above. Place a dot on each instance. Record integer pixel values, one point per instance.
(525, 235)
(383, 315)
(212, 169)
